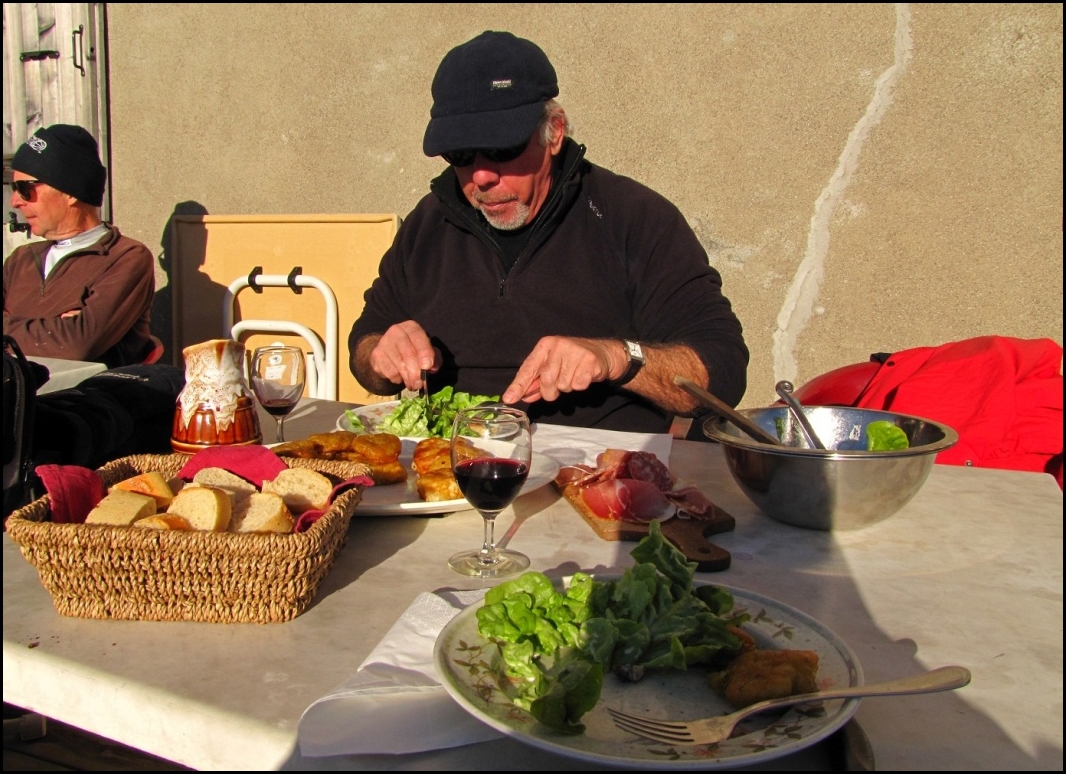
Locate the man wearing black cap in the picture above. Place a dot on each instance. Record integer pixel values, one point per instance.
(85, 293)
(534, 274)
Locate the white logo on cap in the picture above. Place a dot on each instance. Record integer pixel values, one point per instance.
(503, 84)
(37, 143)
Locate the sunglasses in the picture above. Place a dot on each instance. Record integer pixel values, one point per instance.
(465, 157)
(24, 188)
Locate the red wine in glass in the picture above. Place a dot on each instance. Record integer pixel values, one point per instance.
(279, 408)
(492, 451)
(490, 484)
(277, 376)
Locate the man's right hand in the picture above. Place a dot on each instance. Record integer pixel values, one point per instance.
(399, 355)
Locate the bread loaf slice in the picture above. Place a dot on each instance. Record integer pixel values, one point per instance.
(164, 521)
(262, 512)
(230, 483)
(301, 489)
(204, 507)
(121, 508)
(151, 483)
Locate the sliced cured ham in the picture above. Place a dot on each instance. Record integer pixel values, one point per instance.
(629, 499)
(691, 500)
(633, 486)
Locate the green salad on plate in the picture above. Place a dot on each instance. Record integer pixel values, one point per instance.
(556, 646)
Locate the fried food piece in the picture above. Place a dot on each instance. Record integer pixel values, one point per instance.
(438, 486)
(432, 461)
(378, 451)
(431, 454)
(388, 473)
(435, 454)
(756, 675)
(377, 448)
(305, 449)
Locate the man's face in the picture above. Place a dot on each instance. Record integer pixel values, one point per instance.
(48, 212)
(510, 194)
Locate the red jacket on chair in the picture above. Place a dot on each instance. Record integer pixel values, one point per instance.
(1002, 395)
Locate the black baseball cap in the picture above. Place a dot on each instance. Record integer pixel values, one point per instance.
(488, 93)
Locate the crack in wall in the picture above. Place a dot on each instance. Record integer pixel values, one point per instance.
(799, 302)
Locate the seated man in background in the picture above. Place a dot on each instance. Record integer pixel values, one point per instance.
(531, 273)
(86, 292)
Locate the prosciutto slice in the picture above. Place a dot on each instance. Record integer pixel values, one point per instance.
(634, 486)
(629, 499)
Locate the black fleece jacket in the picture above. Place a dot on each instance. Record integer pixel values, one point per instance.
(606, 257)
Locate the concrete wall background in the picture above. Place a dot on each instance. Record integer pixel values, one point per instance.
(866, 177)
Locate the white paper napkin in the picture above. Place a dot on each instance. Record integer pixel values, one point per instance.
(395, 703)
(580, 445)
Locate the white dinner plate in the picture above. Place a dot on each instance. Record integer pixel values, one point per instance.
(461, 656)
(371, 415)
(403, 499)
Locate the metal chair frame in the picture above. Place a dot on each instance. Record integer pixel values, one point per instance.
(322, 359)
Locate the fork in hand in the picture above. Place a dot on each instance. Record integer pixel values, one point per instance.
(711, 730)
(424, 392)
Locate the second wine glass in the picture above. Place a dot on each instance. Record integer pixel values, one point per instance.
(492, 450)
(277, 375)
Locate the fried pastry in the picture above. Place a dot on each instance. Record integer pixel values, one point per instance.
(432, 462)
(378, 451)
(756, 675)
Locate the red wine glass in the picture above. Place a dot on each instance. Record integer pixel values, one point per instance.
(492, 450)
(277, 376)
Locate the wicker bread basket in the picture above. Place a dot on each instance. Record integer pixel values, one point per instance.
(98, 571)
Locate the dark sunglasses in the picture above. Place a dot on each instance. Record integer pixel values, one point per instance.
(465, 157)
(24, 188)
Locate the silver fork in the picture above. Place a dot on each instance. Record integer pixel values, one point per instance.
(425, 396)
(711, 730)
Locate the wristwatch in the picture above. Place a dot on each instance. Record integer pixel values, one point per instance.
(636, 361)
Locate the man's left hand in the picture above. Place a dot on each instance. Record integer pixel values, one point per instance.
(561, 364)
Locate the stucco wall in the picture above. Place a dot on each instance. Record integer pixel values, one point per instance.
(866, 177)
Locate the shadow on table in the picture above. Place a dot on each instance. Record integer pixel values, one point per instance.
(824, 574)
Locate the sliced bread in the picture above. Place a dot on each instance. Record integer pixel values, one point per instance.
(301, 489)
(204, 507)
(230, 483)
(164, 521)
(262, 512)
(152, 484)
(121, 508)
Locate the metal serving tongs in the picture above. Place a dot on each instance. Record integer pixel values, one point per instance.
(725, 411)
(784, 391)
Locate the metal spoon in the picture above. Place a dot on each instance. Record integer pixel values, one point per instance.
(784, 389)
(725, 411)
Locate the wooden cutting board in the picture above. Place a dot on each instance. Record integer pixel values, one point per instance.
(688, 534)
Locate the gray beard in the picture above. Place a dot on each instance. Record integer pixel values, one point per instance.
(516, 221)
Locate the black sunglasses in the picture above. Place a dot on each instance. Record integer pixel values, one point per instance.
(465, 157)
(24, 188)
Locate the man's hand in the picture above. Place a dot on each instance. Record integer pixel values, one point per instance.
(561, 364)
(397, 356)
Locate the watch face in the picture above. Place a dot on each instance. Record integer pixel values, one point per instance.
(635, 350)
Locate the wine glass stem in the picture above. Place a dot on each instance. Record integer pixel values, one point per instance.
(488, 553)
(281, 431)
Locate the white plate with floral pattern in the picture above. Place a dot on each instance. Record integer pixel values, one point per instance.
(463, 660)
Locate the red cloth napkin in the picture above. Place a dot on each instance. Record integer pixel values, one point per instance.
(73, 491)
(255, 464)
(307, 518)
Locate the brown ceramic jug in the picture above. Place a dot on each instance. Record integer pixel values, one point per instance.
(216, 407)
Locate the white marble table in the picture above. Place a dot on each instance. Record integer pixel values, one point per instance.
(66, 373)
(969, 572)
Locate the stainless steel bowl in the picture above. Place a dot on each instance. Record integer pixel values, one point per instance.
(844, 486)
